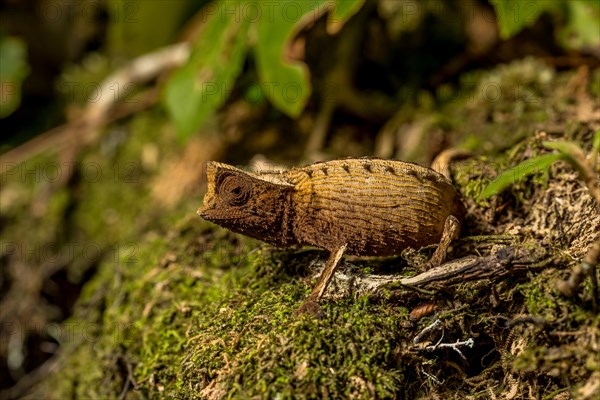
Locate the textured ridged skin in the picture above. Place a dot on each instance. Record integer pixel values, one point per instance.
(376, 207)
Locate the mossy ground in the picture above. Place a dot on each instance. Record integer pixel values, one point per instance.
(180, 308)
(184, 323)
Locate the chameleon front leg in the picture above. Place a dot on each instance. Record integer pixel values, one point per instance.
(311, 305)
(451, 231)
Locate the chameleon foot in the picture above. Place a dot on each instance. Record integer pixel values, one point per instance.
(451, 232)
(311, 304)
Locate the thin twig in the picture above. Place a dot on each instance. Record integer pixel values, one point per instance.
(83, 130)
(426, 330)
(433, 378)
(454, 346)
(31, 379)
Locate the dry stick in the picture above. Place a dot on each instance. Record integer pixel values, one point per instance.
(439, 345)
(589, 263)
(586, 170)
(590, 260)
(441, 162)
(454, 346)
(419, 338)
(82, 131)
(507, 260)
(129, 380)
(510, 258)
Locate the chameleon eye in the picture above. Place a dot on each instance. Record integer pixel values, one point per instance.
(235, 190)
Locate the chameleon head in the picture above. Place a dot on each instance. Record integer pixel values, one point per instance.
(229, 190)
(244, 202)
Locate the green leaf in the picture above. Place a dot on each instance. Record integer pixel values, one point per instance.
(341, 12)
(196, 90)
(596, 145)
(571, 152)
(514, 15)
(518, 173)
(13, 70)
(576, 20)
(582, 28)
(285, 82)
(569, 149)
(136, 27)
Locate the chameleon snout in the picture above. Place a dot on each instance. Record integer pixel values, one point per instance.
(204, 211)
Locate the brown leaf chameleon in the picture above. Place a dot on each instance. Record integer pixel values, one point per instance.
(355, 206)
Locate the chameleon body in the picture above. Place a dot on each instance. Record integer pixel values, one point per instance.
(360, 206)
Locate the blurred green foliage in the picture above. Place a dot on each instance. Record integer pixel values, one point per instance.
(578, 19)
(264, 30)
(286, 82)
(232, 28)
(13, 70)
(582, 28)
(567, 151)
(518, 173)
(200, 86)
(138, 26)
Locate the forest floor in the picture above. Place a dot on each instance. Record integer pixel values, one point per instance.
(176, 307)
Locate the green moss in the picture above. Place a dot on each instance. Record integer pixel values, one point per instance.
(309, 356)
(234, 325)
